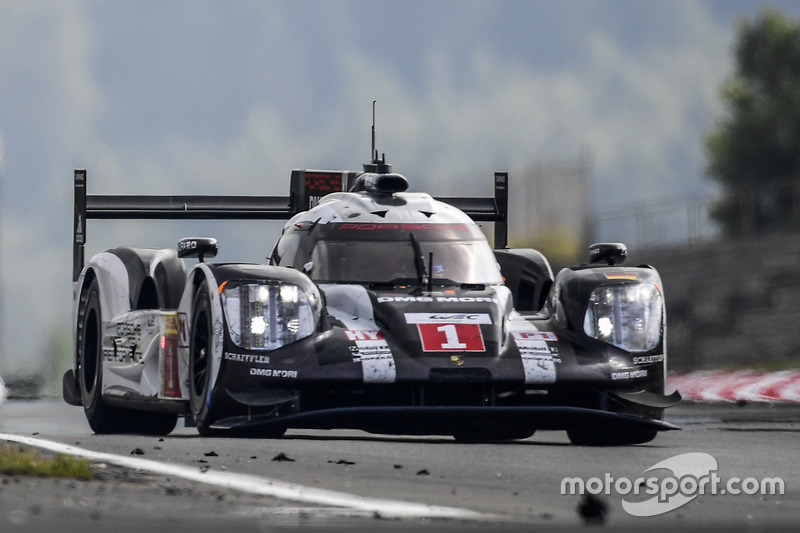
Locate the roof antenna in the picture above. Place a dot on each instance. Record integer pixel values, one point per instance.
(378, 165)
(374, 153)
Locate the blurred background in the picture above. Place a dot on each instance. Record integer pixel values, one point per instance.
(669, 126)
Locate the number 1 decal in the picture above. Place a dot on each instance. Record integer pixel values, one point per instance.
(451, 337)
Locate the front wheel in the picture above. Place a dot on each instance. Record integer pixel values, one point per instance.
(201, 344)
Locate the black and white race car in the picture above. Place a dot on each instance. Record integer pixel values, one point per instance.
(380, 310)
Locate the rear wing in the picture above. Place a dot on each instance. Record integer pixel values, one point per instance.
(306, 189)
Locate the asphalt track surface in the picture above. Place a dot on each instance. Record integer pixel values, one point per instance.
(350, 480)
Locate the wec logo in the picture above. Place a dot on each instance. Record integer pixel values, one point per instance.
(692, 474)
(448, 318)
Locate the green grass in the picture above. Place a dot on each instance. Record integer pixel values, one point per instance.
(16, 460)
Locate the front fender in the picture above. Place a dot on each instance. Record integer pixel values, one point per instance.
(201, 272)
(634, 329)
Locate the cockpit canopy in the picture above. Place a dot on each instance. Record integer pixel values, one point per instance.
(449, 253)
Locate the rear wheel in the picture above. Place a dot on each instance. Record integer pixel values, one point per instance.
(103, 418)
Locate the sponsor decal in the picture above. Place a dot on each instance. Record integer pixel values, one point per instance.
(372, 351)
(377, 361)
(465, 299)
(247, 358)
(449, 337)
(534, 336)
(187, 245)
(538, 368)
(647, 359)
(273, 373)
(448, 318)
(363, 335)
(537, 360)
(127, 329)
(629, 374)
(170, 384)
(123, 350)
(443, 299)
(183, 331)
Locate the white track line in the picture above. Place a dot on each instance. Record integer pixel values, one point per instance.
(261, 485)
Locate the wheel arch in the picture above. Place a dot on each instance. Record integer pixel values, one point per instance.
(198, 274)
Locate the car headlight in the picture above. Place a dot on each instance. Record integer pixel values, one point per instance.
(266, 316)
(626, 316)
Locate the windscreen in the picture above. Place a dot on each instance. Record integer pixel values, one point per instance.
(447, 253)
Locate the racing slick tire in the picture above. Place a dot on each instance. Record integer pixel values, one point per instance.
(201, 345)
(599, 437)
(103, 418)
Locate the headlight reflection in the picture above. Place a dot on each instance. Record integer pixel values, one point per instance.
(626, 316)
(266, 316)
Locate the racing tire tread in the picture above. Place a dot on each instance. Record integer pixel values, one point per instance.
(201, 342)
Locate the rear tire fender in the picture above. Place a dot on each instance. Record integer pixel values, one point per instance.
(112, 278)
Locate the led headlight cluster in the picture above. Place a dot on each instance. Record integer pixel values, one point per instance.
(266, 316)
(626, 316)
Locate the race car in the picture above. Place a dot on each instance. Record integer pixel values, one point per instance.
(380, 310)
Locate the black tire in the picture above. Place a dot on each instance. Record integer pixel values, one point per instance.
(102, 418)
(605, 437)
(201, 345)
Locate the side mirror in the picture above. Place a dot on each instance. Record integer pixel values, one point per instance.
(611, 253)
(199, 247)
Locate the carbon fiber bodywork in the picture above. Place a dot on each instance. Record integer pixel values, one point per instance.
(380, 310)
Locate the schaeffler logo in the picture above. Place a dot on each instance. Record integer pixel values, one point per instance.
(693, 474)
